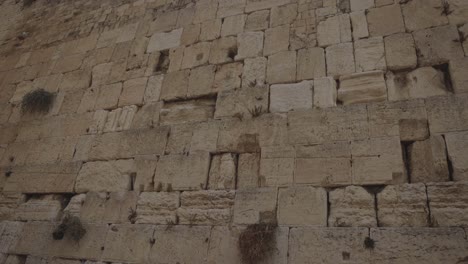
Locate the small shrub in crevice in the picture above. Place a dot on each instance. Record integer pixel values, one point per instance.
(70, 225)
(256, 111)
(132, 215)
(369, 243)
(257, 242)
(37, 101)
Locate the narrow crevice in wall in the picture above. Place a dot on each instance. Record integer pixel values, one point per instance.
(328, 207)
(449, 160)
(374, 190)
(163, 62)
(444, 68)
(406, 152)
(429, 214)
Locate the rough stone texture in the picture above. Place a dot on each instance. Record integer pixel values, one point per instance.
(250, 44)
(334, 30)
(276, 166)
(448, 203)
(457, 154)
(206, 207)
(403, 205)
(351, 206)
(457, 69)
(282, 67)
(302, 206)
(45, 208)
(115, 207)
(359, 25)
(340, 59)
(223, 172)
(138, 250)
(362, 88)
(400, 52)
(248, 170)
(310, 63)
(288, 97)
(276, 40)
(253, 206)
(428, 160)
(370, 54)
(105, 176)
(385, 20)
(447, 114)
(163, 41)
(420, 14)
(157, 208)
(325, 94)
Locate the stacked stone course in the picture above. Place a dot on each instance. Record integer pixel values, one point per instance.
(178, 123)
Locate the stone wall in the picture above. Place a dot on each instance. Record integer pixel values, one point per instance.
(178, 123)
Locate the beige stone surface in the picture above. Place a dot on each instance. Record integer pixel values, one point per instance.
(175, 85)
(325, 94)
(359, 25)
(328, 245)
(310, 64)
(255, 206)
(447, 113)
(421, 14)
(189, 111)
(105, 176)
(288, 97)
(163, 41)
(254, 72)
(223, 50)
(302, 206)
(45, 208)
(153, 89)
(222, 174)
(248, 170)
(400, 52)
(334, 30)
(133, 92)
(183, 172)
(228, 77)
(157, 208)
(250, 44)
(276, 40)
(428, 160)
(457, 153)
(340, 59)
(114, 207)
(282, 67)
(196, 55)
(403, 205)
(277, 166)
(242, 102)
(352, 206)
(447, 202)
(233, 25)
(206, 207)
(458, 68)
(258, 20)
(362, 88)
(281, 15)
(370, 54)
(385, 20)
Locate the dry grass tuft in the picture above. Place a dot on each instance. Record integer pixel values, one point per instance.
(37, 101)
(256, 242)
(72, 226)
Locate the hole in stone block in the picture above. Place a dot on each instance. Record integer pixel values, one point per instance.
(444, 68)
(163, 62)
(232, 52)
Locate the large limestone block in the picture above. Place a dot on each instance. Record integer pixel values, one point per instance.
(44, 208)
(362, 88)
(254, 72)
(357, 5)
(276, 40)
(253, 206)
(421, 14)
(258, 20)
(115, 207)
(163, 41)
(457, 12)
(351, 206)
(458, 68)
(447, 114)
(282, 67)
(385, 20)
(119, 119)
(340, 59)
(325, 93)
(281, 15)
(377, 161)
(187, 111)
(182, 244)
(457, 149)
(74, 205)
(248, 169)
(183, 172)
(175, 85)
(418, 245)
(250, 44)
(289, 97)
(201, 81)
(403, 205)
(205, 10)
(310, 63)
(242, 102)
(68, 64)
(133, 92)
(196, 55)
(233, 25)
(370, 54)
(448, 203)
(225, 240)
(228, 8)
(387, 118)
(51, 178)
(277, 166)
(421, 83)
(334, 30)
(105, 176)
(9, 203)
(157, 208)
(228, 77)
(400, 52)
(118, 247)
(413, 130)
(108, 97)
(223, 172)
(254, 5)
(312, 127)
(128, 144)
(206, 207)
(10, 234)
(223, 50)
(359, 25)
(428, 160)
(326, 164)
(328, 245)
(438, 45)
(302, 206)
(147, 116)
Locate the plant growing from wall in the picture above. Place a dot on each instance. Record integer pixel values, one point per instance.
(257, 242)
(37, 101)
(70, 225)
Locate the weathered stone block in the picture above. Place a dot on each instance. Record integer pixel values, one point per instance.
(447, 114)
(385, 20)
(276, 40)
(108, 97)
(370, 54)
(133, 92)
(157, 208)
(196, 55)
(248, 170)
(283, 15)
(420, 14)
(340, 59)
(153, 89)
(250, 44)
(223, 50)
(359, 25)
(325, 94)
(192, 33)
(175, 85)
(282, 67)
(428, 160)
(254, 72)
(163, 41)
(400, 52)
(44, 208)
(458, 68)
(403, 205)
(242, 102)
(310, 63)
(223, 172)
(334, 30)
(447, 202)
(103, 208)
(119, 119)
(255, 206)
(228, 77)
(105, 176)
(362, 88)
(413, 129)
(187, 111)
(328, 245)
(201, 81)
(183, 172)
(206, 207)
(277, 166)
(351, 206)
(288, 97)
(233, 25)
(457, 150)
(438, 45)
(258, 20)
(302, 206)
(357, 5)
(10, 235)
